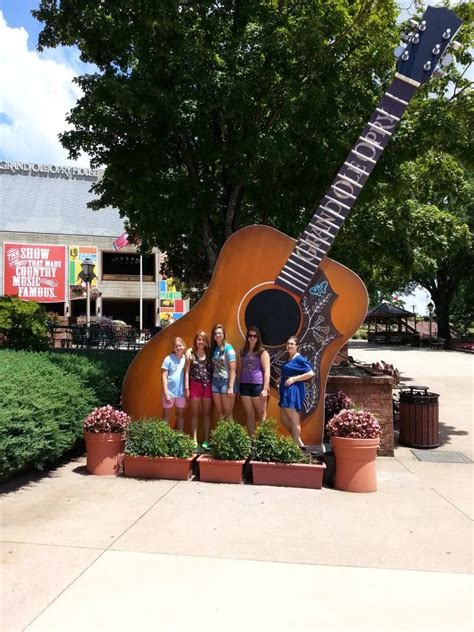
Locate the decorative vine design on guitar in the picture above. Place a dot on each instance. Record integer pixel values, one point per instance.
(318, 331)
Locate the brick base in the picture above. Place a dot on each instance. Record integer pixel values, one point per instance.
(373, 393)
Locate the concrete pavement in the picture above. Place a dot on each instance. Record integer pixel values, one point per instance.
(84, 553)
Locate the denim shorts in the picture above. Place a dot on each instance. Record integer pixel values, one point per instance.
(221, 384)
(250, 390)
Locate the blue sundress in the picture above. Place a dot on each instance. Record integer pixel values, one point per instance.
(293, 396)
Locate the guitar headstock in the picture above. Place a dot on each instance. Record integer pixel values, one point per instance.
(427, 43)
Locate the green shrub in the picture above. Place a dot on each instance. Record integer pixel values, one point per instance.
(102, 371)
(229, 441)
(269, 446)
(41, 410)
(41, 391)
(23, 324)
(153, 437)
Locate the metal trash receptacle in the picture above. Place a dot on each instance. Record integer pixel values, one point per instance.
(419, 417)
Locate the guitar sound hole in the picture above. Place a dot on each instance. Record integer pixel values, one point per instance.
(276, 314)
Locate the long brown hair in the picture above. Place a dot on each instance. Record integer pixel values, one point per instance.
(259, 344)
(201, 334)
(213, 341)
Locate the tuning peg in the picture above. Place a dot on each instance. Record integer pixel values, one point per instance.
(447, 59)
(398, 51)
(447, 34)
(427, 65)
(422, 26)
(405, 37)
(435, 50)
(406, 56)
(456, 45)
(414, 23)
(439, 73)
(415, 39)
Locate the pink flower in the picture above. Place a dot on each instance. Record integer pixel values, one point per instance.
(106, 419)
(354, 424)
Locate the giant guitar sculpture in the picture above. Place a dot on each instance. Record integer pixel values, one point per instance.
(264, 278)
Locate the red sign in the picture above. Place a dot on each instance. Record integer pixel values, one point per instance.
(35, 272)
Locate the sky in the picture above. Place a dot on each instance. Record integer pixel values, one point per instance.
(37, 92)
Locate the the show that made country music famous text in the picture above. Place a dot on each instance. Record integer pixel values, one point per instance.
(289, 287)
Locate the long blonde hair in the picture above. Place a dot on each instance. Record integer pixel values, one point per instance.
(175, 340)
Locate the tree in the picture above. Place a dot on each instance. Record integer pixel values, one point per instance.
(210, 116)
(23, 324)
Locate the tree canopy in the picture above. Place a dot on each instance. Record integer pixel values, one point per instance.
(210, 116)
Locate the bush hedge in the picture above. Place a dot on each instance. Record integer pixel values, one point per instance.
(44, 397)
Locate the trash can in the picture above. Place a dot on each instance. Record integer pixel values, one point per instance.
(419, 417)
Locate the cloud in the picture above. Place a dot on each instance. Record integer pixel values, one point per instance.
(36, 95)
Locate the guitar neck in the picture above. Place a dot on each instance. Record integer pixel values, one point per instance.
(317, 238)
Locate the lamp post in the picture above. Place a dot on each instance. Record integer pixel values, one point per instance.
(414, 316)
(87, 275)
(430, 307)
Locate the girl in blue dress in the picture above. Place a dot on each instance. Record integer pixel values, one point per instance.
(293, 373)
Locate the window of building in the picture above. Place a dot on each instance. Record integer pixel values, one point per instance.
(126, 267)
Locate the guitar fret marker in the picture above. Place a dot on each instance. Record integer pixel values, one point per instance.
(356, 168)
(329, 210)
(319, 239)
(287, 267)
(294, 282)
(319, 229)
(338, 202)
(380, 129)
(295, 254)
(293, 263)
(316, 227)
(356, 184)
(321, 218)
(344, 192)
(392, 116)
(408, 80)
(371, 142)
(364, 157)
(392, 96)
(288, 286)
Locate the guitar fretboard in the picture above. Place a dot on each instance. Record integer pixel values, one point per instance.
(316, 240)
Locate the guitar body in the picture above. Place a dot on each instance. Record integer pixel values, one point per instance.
(242, 292)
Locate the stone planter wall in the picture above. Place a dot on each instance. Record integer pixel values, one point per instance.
(373, 393)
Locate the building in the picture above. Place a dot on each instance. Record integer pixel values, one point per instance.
(46, 231)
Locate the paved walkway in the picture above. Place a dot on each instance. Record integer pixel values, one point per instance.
(84, 553)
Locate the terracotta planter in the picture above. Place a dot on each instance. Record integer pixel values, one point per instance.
(158, 467)
(355, 464)
(288, 474)
(217, 471)
(104, 452)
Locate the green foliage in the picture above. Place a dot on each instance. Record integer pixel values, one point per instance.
(361, 334)
(269, 446)
(22, 324)
(210, 116)
(41, 411)
(44, 397)
(153, 437)
(102, 371)
(229, 441)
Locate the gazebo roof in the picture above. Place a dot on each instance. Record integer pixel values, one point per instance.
(387, 310)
